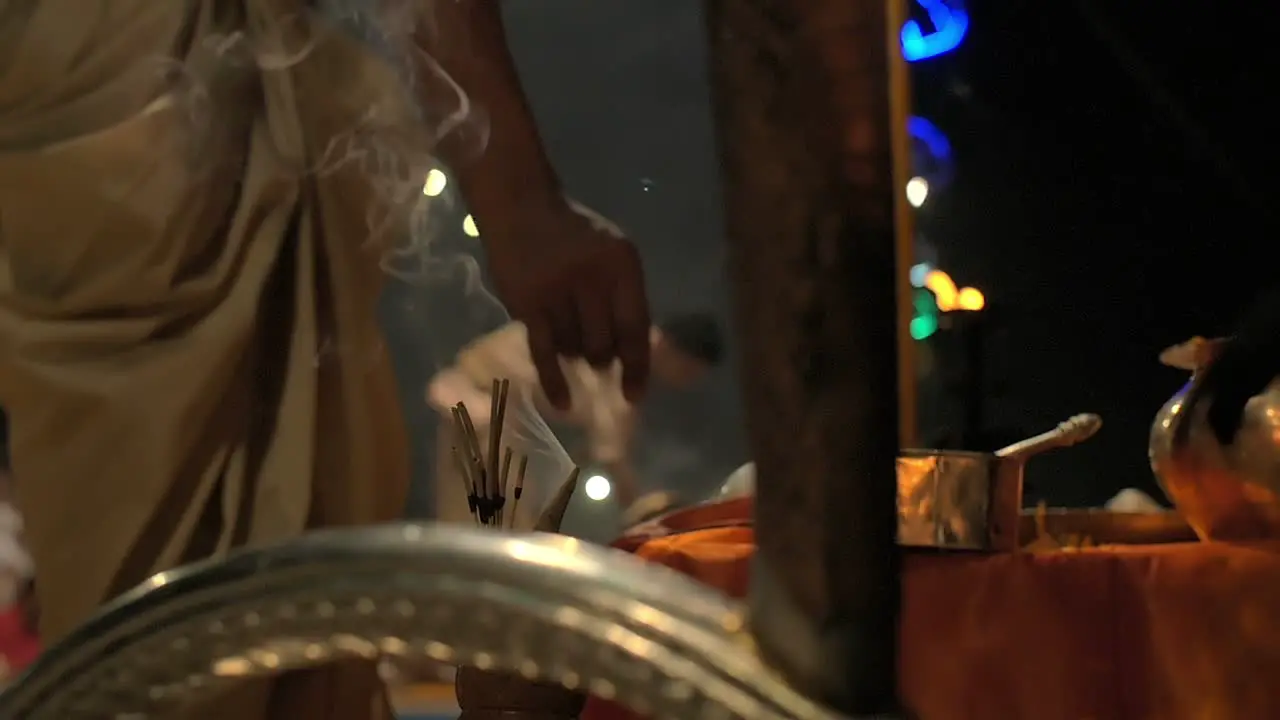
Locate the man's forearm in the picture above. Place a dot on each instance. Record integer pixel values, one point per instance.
(468, 40)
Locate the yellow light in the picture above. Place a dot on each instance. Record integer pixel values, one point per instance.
(469, 227)
(943, 288)
(970, 299)
(435, 184)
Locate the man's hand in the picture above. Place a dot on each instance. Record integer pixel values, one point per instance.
(572, 278)
(577, 284)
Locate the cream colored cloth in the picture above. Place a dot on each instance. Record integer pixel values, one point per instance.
(740, 483)
(188, 348)
(15, 562)
(597, 405)
(596, 402)
(1131, 500)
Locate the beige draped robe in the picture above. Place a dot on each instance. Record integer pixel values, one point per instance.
(188, 348)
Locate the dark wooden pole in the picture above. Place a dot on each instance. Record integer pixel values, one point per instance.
(801, 93)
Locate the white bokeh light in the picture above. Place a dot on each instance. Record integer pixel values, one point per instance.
(435, 184)
(469, 227)
(598, 487)
(919, 272)
(917, 191)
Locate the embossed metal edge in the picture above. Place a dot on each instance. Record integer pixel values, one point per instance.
(660, 620)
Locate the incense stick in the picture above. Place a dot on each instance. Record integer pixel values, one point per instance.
(502, 484)
(486, 471)
(468, 461)
(469, 430)
(467, 487)
(495, 440)
(519, 489)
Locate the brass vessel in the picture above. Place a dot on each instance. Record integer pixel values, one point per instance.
(956, 499)
(1225, 492)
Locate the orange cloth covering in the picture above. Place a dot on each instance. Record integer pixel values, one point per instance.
(1169, 632)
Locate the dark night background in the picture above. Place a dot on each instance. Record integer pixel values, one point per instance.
(1113, 189)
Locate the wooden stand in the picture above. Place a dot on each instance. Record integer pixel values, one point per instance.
(494, 696)
(485, 695)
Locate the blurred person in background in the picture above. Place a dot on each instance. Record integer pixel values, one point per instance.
(19, 643)
(16, 568)
(684, 348)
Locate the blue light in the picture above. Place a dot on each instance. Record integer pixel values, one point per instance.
(929, 134)
(950, 25)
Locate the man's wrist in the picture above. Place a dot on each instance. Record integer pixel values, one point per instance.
(511, 181)
(509, 222)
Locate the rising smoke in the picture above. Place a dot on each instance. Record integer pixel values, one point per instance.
(389, 139)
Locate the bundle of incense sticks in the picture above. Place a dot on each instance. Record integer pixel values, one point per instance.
(488, 693)
(486, 472)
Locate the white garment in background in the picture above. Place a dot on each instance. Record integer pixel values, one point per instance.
(596, 402)
(16, 566)
(597, 406)
(1131, 500)
(740, 483)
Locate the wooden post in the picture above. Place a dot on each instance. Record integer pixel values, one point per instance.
(905, 232)
(805, 129)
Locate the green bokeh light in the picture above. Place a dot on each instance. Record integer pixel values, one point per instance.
(925, 321)
(922, 326)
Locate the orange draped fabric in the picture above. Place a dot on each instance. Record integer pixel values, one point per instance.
(1169, 632)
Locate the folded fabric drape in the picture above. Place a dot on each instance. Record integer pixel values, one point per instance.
(189, 262)
(1160, 632)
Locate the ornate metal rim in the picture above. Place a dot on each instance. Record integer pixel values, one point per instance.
(547, 607)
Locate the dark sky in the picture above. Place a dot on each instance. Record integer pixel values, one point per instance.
(1113, 195)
